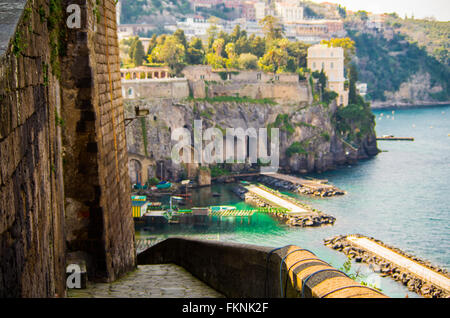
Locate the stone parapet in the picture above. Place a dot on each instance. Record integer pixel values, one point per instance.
(239, 270)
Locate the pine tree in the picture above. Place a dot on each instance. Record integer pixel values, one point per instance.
(138, 54)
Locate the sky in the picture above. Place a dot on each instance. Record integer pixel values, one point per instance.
(440, 9)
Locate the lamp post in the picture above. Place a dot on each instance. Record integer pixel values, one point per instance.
(139, 113)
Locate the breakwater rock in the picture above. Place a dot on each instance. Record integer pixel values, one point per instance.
(306, 187)
(386, 268)
(312, 218)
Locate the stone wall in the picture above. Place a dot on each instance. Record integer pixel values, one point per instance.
(31, 186)
(55, 82)
(176, 88)
(282, 92)
(97, 187)
(240, 271)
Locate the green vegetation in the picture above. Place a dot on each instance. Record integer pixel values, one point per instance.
(355, 121)
(153, 181)
(144, 135)
(220, 99)
(434, 36)
(57, 35)
(356, 276)
(283, 123)
(297, 148)
(219, 170)
(325, 136)
(133, 10)
(234, 51)
(58, 120)
(386, 64)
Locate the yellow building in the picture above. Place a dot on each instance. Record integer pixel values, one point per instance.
(331, 61)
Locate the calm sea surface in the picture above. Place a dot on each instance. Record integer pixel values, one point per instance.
(401, 197)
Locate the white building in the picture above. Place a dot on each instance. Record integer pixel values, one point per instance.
(194, 27)
(289, 11)
(362, 89)
(260, 10)
(331, 61)
(118, 11)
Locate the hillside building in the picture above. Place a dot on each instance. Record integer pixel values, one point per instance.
(331, 61)
(289, 11)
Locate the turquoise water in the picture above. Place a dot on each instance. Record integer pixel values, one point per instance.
(400, 197)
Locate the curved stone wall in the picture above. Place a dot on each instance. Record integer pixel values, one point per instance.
(239, 270)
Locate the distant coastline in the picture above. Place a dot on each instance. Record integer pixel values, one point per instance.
(396, 105)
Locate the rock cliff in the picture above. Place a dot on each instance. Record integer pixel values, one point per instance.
(310, 139)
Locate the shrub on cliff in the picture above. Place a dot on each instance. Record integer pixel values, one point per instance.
(355, 120)
(296, 148)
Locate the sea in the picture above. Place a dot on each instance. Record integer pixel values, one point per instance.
(402, 197)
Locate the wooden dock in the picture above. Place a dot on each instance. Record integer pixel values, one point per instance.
(233, 213)
(396, 138)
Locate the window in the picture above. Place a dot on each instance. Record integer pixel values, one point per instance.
(277, 77)
(314, 64)
(323, 65)
(332, 65)
(258, 76)
(202, 77)
(130, 91)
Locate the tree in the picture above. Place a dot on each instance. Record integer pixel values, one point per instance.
(195, 53)
(242, 45)
(138, 54)
(172, 53)
(152, 44)
(342, 11)
(352, 79)
(215, 58)
(232, 61)
(298, 51)
(248, 61)
(275, 60)
(362, 15)
(271, 28)
(346, 43)
(212, 31)
(179, 35)
(257, 45)
(132, 42)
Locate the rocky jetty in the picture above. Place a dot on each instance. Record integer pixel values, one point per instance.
(385, 268)
(313, 188)
(312, 219)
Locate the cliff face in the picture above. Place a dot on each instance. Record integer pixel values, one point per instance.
(309, 138)
(418, 90)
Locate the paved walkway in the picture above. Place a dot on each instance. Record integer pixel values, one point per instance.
(402, 261)
(150, 281)
(281, 202)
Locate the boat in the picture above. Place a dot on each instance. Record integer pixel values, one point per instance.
(215, 194)
(222, 208)
(164, 185)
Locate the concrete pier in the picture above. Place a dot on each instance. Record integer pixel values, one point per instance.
(301, 185)
(418, 275)
(295, 214)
